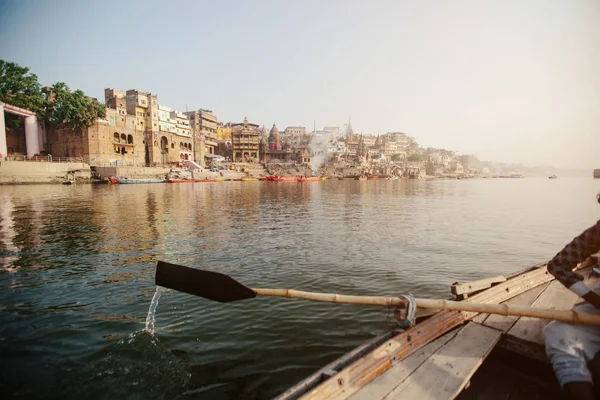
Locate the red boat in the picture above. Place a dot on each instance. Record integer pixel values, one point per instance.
(113, 180)
(372, 178)
(205, 180)
(309, 179)
(264, 178)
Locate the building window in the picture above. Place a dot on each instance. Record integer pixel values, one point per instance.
(123, 138)
(116, 136)
(172, 145)
(130, 139)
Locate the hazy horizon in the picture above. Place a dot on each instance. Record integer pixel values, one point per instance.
(508, 81)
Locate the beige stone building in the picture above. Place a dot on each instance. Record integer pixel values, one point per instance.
(205, 123)
(245, 141)
(103, 143)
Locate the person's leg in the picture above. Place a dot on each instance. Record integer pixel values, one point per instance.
(564, 347)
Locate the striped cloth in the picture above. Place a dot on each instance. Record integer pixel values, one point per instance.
(562, 265)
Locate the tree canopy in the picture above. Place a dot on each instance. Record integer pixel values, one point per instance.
(21, 88)
(73, 107)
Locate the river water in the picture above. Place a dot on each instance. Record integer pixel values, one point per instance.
(77, 274)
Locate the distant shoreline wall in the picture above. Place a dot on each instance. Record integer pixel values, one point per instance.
(19, 172)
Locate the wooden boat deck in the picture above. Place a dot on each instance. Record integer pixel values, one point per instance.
(440, 358)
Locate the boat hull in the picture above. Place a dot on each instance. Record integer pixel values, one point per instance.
(140, 180)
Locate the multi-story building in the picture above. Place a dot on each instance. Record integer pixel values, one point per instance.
(245, 141)
(104, 143)
(182, 124)
(292, 131)
(165, 123)
(204, 123)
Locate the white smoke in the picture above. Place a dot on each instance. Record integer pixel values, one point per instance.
(318, 147)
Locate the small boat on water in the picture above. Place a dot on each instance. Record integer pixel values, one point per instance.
(553, 177)
(361, 178)
(139, 180)
(181, 180)
(309, 179)
(455, 354)
(372, 178)
(249, 179)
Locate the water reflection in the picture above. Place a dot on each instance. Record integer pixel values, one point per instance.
(82, 261)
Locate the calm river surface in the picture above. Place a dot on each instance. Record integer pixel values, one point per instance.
(77, 270)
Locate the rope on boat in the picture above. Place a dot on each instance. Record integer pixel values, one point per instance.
(408, 319)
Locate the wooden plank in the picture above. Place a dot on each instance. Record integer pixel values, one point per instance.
(505, 322)
(447, 372)
(535, 351)
(511, 288)
(470, 287)
(556, 297)
(361, 372)
(480, 318)
(526, 336)
(386, 382)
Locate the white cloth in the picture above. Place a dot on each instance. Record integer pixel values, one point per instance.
(570, 347)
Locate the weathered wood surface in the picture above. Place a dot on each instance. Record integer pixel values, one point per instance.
(505, 322)
(470, 287)
(360, 373)
(385, 383)
(363, 371)
(526, 335)
(448, 370)
(511, 288)
(556, 297)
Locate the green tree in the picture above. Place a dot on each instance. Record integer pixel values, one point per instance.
(73, 107)
(397, 157)
(20, 88)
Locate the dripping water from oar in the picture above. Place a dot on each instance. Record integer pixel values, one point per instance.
(151, 318)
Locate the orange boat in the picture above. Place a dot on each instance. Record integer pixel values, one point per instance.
(205, 180)
(181, 180)
(372, 178)
(113, 180)
(309, 179)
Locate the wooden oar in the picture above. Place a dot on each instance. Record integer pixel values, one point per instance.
(223, 288)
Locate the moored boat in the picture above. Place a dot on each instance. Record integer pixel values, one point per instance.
(139, 180)
(181, 180)
(309, 179)
(553, 177)
(249, 179)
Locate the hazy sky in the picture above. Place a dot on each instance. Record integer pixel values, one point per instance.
(514, 81)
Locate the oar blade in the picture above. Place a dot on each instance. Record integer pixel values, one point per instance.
(208, 284)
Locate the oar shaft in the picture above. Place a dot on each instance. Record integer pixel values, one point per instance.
(501, 309)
